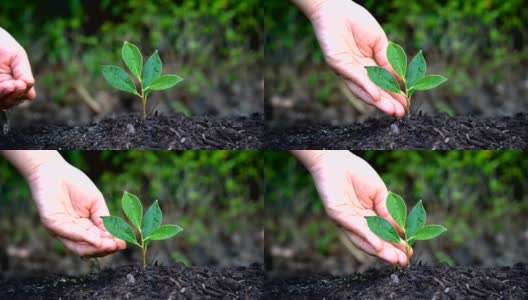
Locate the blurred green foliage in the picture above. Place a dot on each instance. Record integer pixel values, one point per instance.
(453, 34)
(206, 192)
(207, 42)
(474, 192)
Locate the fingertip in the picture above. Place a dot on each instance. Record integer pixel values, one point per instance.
(386, 106)
(403, 259)
(120, 244)
(400, 111)
(32, 94)
(30, 81)
(108, 245)
(390, 256)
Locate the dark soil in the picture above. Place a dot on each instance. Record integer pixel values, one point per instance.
(419, 132)
(175, 132)
(416, 282)
(132, 282)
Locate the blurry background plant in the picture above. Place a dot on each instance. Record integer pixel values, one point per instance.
(479, 45)
(215, 45)
(481, 196)
(217, 196)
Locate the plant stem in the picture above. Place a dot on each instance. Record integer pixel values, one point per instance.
(144, 102)
(143, 99)
(407, 99)
(144, 252)
(143, 248)
(407, 248)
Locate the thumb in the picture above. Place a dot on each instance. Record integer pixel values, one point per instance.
(22, 68)
(97, 210)
(380, 207)
(380, 55)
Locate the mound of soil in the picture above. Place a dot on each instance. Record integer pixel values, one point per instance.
(175, 132)
(132, 282)
(418, 132)
(416, 282)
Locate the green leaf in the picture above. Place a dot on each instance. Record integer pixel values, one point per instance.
(428, 232)
(132, 58)
(397, 58)
(383, 78)
(428, 82)
(119, 79)
(383, 229)
(416, 219)
(152, 69)
(164, 232)
(164, 82)
(416, 69)
(152, 219)
(132, 208)
(119, 228)
(397, 209)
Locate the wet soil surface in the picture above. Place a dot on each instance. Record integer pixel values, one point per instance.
(418, 132)
(416, 282)
(175, 132)
(132, 282)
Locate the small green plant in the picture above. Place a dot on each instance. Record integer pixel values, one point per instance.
(413, 226)
(413, 76)
(149, 76)
(149, 226)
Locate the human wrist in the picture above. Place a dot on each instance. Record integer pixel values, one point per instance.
(310, 7)
(312, 159)
(28, 162)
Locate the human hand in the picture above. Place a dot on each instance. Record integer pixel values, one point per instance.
(70, 207)
(351, 38)
(16, 78)
(350, 190)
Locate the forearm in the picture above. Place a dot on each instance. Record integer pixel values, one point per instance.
(27, 161)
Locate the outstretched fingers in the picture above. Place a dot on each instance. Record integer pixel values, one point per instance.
(387, 252)
(384, 103)
(85, 249)
(358, 226)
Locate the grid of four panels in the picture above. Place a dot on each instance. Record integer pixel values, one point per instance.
(296, 149)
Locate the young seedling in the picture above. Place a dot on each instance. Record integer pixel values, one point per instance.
(149, 76)
(149, 226)
(413, 226)
(413, 76)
